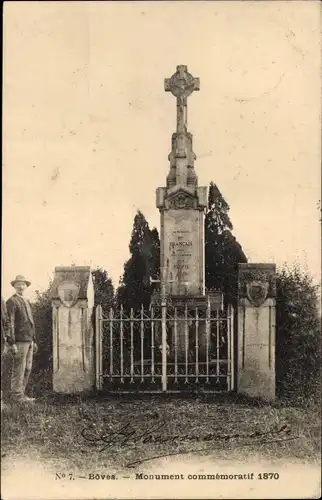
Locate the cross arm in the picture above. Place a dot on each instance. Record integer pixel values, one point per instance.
(167, 85)
(187, 89)
(196, 84)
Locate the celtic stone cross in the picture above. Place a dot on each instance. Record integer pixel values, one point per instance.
(181, 85)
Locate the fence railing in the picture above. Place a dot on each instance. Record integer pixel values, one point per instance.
(165, 348)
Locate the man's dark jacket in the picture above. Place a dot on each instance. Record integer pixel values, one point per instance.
(22, 326)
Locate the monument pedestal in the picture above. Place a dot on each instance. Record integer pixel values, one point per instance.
(187, 321)
(191, 316)
(256, 330)
(73, 354)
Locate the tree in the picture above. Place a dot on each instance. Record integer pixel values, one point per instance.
(135, 288)
(103, 296)
(103, 289)
(222, 250)
(155, 254)
(298, 335)
(41, 375)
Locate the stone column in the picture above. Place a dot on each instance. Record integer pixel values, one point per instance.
(73, 353)
(256, 330)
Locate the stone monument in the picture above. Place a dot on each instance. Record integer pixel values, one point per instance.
(256, 330)
(182, 202)
(73, 350)
(182, 206)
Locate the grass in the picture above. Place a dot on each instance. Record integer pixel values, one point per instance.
(50, 431)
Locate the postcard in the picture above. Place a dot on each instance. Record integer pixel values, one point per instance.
(160, 305)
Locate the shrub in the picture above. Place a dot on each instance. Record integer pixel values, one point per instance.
(298, 336)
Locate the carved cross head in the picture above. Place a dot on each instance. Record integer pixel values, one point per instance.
(181, 84)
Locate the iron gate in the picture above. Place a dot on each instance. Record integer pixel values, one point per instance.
(165, 349)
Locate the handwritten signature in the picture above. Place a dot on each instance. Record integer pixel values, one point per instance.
(127, 435)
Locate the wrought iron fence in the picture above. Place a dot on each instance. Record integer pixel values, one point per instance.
(165, 349)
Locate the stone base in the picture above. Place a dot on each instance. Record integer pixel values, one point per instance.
(187, 307)
(191, 301)
(197, 301)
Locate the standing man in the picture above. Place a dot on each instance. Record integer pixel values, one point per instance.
(21, 339)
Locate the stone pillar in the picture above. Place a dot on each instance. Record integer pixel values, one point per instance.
(73, 335)
(256, 330)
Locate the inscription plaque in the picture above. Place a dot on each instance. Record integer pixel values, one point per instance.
(182, 251)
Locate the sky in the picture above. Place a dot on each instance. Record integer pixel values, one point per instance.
(87, 126)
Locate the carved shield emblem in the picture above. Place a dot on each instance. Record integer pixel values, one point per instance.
(68, 292)
(181, 201)
(257, 292)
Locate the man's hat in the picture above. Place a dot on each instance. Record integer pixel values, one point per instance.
(20, 278)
